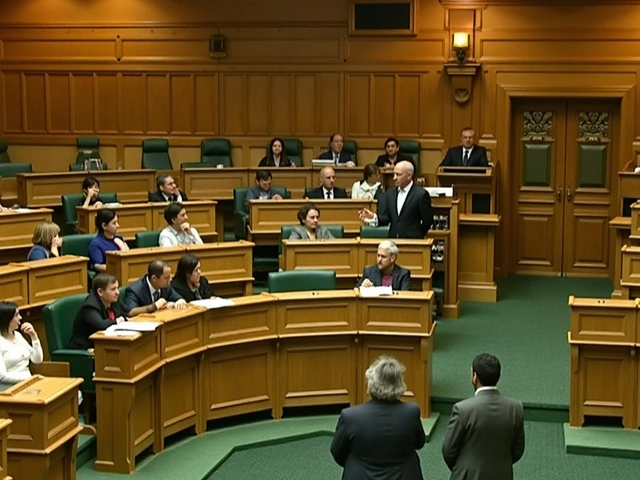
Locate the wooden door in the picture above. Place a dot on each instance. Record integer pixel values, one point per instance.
(563, 157)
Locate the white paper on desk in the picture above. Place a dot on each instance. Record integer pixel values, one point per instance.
(375, 291)
(22, 210)
(134, 327)
(111, 332)
(216, 302)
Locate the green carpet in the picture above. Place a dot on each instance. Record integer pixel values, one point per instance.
(544, 459)
(526, 329)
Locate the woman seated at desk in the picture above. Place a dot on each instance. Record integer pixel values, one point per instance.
(309, 216)
(276, 155)
(369, 187)
(107, 239)
(189, 282)
(393, 155)
(15, 351)
(46, 242)
(90, 191)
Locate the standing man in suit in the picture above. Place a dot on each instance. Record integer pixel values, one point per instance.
(153, 291)
(168, 191)
(379, 439)
(406, 208)
(327, 190)
(485, 435)
(468, 154)
(386, 273)
(335, 153)
(99, 311)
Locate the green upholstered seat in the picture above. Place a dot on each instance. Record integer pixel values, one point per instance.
(412, 149)
(216, 151)
(285, 232)
(58, 323)
(155, 154)
(374, 232)
(302, 281)
(9, 170)
(69, 204)
(351, 147)
(4, 152)
(88, 147)
(77, 244)
(293, 149)
(148, 239)
(79, 167)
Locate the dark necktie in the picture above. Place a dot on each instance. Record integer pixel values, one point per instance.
(174, 198)
(465, 160)
(328, 195)
(156, 296)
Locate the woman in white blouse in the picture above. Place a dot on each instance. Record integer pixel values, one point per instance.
(370, 187)
(15, 351)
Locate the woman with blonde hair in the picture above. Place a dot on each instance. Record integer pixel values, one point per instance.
(46, 242)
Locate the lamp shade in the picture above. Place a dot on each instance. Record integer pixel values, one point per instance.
(460, 40)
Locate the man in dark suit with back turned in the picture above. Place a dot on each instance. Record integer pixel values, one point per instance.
(468, 154)
(485, 435)
(386, 273)
(153, 291)
(406, 208)
(327, 190)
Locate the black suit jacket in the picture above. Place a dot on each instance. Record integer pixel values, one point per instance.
(158, 197)
(485, 437)
(185, 291)
(400, 280)
(91, 318)
(138, 294)
(343, 158)
(378, 441)
(416, 216)
(317, 193)
(383, 160)
(478, 157)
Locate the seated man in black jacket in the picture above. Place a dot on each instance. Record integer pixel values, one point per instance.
(168, 191)
(327, 190)
(100, 310)
(153, 291)
(386, 273)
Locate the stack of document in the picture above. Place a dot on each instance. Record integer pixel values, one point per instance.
(130, 329)
(368, 292)
(215, 302)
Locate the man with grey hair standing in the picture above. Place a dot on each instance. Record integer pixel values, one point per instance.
(386, 273)
(406, 209)
(379, 439)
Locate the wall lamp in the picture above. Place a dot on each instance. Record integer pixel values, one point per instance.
(460, 44)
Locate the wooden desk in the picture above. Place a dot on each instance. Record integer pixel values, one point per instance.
(17, 227)
(8, 191)
(46, 189)
(44, 434)
(604, 339)
(5, 424)
(228, 266)
(622, 226)
(191, 364)
(476, 247)
(53, 278)
(14, 284)
(267, 218)
(214, 183)
(349, 256)
(140, 217)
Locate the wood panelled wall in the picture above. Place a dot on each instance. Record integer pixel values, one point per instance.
(131, 69)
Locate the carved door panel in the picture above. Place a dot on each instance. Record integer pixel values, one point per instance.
(562, 152)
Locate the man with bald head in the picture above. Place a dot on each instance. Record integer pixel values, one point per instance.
(406, 208)
(327, 190)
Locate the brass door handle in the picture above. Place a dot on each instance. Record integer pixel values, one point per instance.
(559, 194)
(568, 194)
